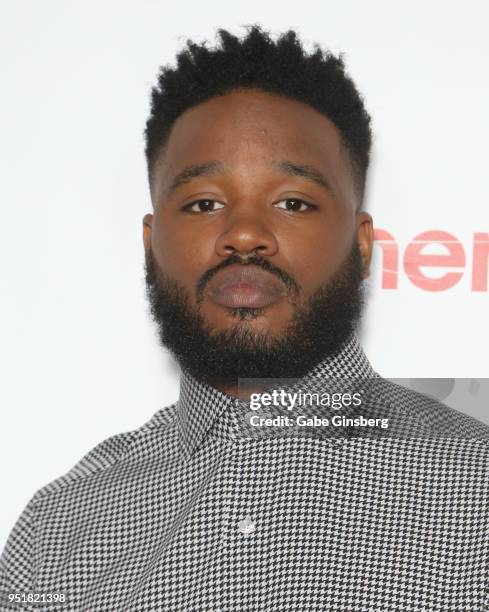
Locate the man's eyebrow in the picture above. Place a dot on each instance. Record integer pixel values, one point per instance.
(308, 172)
(190, 172)
(216, 167)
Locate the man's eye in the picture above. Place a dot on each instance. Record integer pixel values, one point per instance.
(204, 206)
(294, 205)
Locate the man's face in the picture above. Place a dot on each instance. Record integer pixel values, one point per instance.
(254, 175)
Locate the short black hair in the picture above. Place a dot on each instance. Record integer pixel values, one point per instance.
(256, 61)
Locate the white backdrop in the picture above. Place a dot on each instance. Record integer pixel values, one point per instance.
(80, 359)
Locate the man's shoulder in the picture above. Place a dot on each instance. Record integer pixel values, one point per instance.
(112, 454)
(423, 413)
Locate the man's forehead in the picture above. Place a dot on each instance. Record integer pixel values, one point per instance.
(254, 132)
(258, 117)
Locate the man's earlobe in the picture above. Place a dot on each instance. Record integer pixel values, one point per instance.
(147, 225)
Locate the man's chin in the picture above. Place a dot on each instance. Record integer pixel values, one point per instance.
(271, 320)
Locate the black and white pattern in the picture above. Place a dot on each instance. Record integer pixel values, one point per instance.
(192, 513)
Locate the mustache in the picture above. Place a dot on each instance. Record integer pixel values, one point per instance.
(255, 260)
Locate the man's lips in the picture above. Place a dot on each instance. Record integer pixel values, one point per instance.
(245, 286)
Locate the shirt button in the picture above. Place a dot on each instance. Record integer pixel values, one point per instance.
(246, 526)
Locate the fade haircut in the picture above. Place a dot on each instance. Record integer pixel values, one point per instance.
(280, 67)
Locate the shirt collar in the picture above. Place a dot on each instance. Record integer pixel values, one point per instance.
(201, 407)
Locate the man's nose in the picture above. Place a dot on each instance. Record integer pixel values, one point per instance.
(247, 231)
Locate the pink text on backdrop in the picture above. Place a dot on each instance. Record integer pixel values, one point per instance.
(414, 259)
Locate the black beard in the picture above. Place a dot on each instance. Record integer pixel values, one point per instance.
(315, 332)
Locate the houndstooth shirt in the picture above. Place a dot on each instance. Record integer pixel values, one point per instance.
(198, 511)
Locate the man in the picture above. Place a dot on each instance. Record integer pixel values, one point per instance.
(256, 252)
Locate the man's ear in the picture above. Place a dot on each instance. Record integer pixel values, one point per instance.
(365, 239)
(147, 225)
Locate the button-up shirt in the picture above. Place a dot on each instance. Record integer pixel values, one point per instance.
(200, 511)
